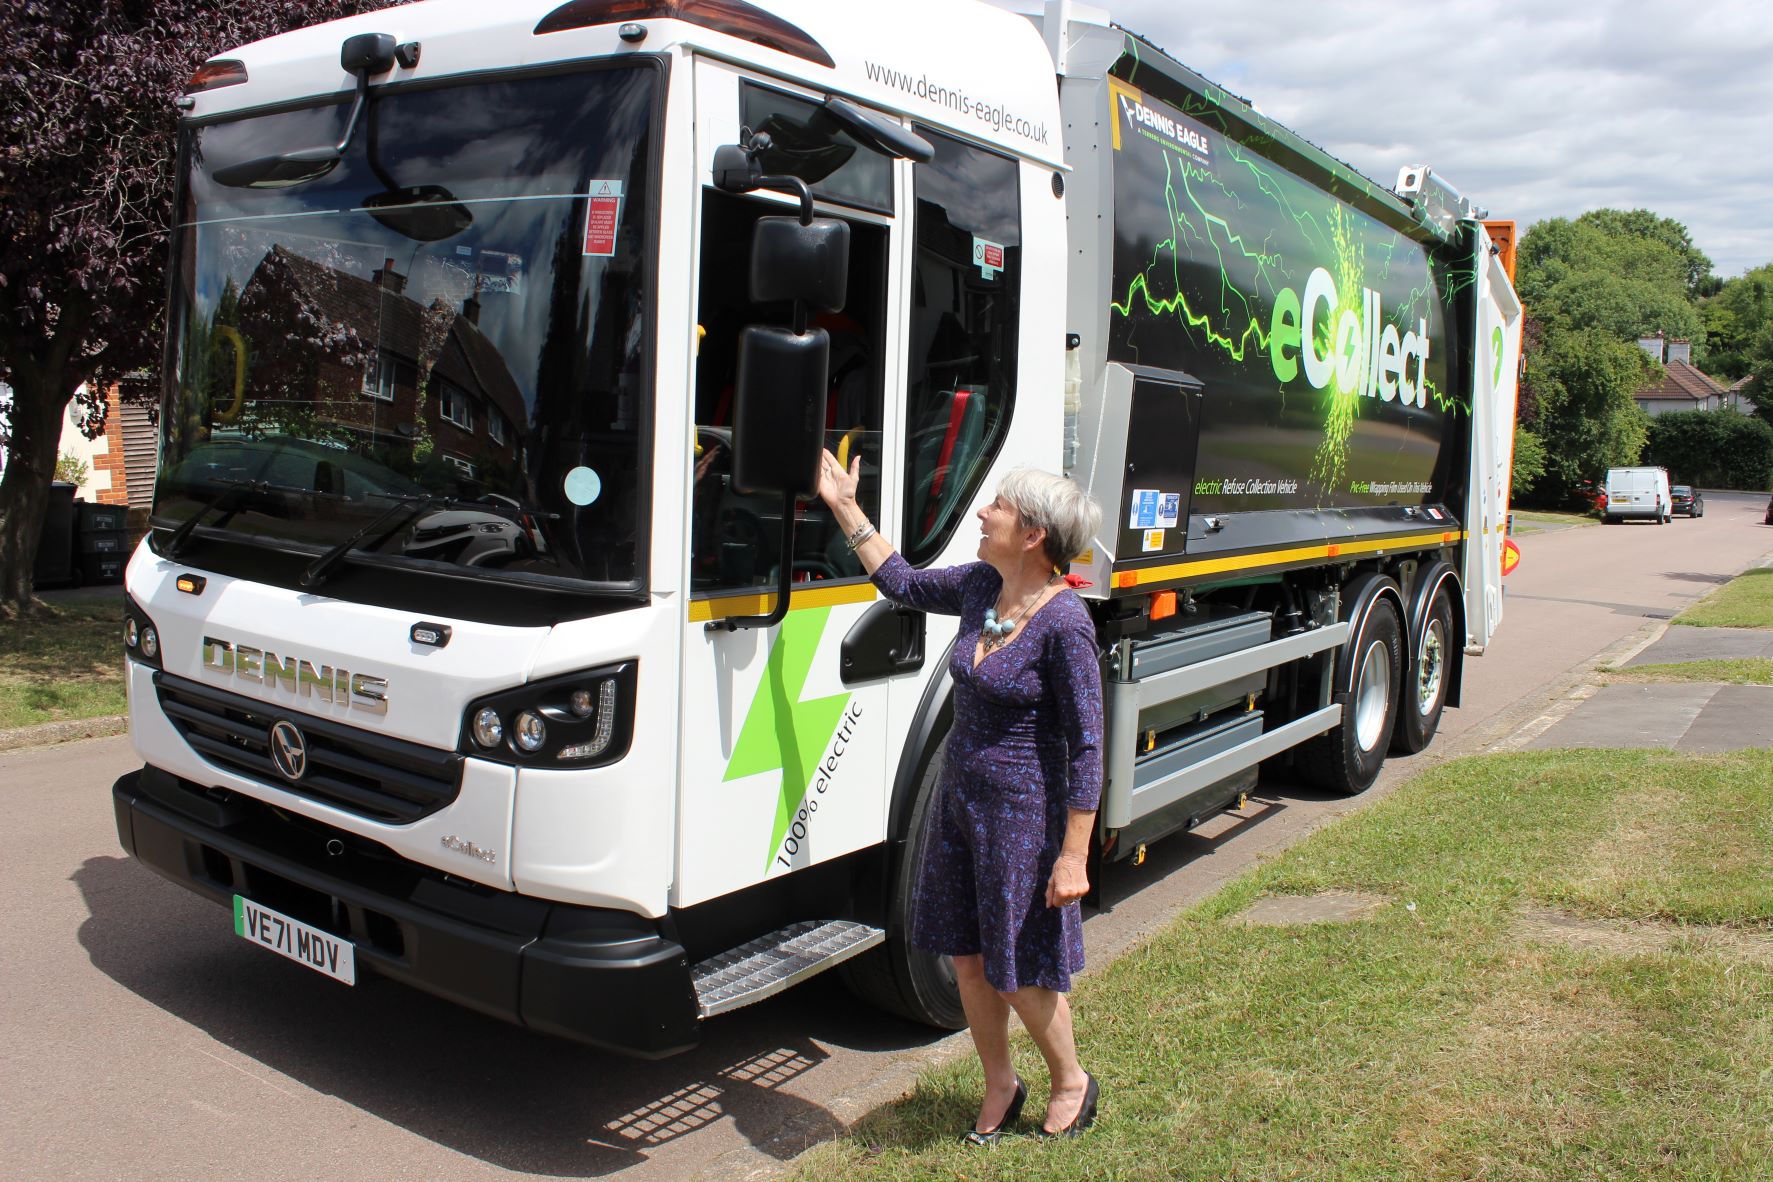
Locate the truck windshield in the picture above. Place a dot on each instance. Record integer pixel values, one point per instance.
(458, 310)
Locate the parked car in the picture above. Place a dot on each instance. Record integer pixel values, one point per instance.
(1686, 499)
(1768, 519)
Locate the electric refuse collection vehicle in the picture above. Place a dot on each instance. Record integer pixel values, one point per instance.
(485, 638)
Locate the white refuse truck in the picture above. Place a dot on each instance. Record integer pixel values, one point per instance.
(485, 638)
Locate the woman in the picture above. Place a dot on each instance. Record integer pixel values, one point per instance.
(1004, 863)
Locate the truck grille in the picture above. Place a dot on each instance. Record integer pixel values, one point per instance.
(386, 780)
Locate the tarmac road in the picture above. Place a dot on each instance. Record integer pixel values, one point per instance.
(144, 1040)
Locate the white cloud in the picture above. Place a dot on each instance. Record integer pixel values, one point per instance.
(1530, 111)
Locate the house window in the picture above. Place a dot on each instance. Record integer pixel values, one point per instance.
(463, 466)
(495, 427)
(378, 379)
(455, 405)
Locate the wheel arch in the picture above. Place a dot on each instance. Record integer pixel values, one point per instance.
(929, 726)
(1361, 593)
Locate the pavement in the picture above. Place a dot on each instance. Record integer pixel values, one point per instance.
(1689, 717)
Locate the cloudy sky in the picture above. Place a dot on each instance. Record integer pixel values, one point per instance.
(1533, 109)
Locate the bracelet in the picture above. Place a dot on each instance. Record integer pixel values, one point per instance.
(862, 534)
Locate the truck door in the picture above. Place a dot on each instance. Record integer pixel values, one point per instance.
(1498, 347)
(784, 731)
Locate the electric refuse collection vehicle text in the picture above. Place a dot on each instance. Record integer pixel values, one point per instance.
(481, 640)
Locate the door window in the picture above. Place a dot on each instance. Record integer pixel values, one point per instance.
(965, 299)
(735, 538)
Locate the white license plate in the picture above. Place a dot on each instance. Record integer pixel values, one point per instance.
(320, 951)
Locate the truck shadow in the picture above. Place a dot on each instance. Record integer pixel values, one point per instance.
(465, 1081)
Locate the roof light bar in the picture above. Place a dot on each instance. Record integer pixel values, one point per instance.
(220, 72)
(734, 17)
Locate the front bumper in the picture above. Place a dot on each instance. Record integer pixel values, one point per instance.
(600, 976)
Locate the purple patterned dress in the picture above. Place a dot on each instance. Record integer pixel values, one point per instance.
(1026, 749)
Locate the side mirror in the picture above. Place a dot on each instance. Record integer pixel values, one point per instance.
(808, 264)
(779, 410)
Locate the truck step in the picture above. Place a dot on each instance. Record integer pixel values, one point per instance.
(769, 964)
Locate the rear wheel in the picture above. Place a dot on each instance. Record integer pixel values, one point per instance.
(895, 976)
(1347, 758)
(1424, 695)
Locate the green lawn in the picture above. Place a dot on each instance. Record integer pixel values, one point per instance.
(65, 662)
(1571, 978)
(1744, 602)
(1731, 671)
(1532, 521)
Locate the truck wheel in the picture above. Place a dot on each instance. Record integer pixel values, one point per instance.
(1347, 758)
(895, 976)
(1419, 712)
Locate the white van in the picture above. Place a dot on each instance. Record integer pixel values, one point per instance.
(1637, 492)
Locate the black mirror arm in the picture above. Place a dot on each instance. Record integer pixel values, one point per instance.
(791, 184)
(784, 581)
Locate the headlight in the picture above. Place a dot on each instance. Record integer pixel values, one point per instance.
(577, 720)
(141, 640)
(530, 732)
(489, 728)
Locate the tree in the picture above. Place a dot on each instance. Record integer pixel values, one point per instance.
(1623, 273)
(1734, 318)
(1582, 384)
(1529, 462)
(87, 94)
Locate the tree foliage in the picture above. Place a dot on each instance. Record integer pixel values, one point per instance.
(1740, 332)
(1717, 449)
(87, 107)
(1529, 463)
(1627, 273)
(1582, 384)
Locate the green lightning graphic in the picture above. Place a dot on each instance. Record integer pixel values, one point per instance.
(1496, 352)
(781, 730)
(1241, 235)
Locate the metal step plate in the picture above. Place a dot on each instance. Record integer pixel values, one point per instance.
(770, 964)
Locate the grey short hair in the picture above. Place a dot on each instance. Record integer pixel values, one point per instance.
(1055, 504)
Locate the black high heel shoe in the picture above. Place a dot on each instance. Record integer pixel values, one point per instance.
(1086, 1114)
(1010, 1116)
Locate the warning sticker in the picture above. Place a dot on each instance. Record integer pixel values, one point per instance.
(1169, 508)
(602, 215)
(1154, 540)
(988, 257)
(1143, 512)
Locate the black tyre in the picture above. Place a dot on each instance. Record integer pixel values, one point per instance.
(1424, 695)
(1348, 757)
(895, 976)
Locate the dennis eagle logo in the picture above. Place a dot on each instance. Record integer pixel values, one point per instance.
(289, 750)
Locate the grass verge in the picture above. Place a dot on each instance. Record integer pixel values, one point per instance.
(1734, 671)
(1744, 602)
(1532, 521)
(62, 663)
(1447, 1035)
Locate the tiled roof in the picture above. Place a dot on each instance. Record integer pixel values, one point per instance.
(1681, 380)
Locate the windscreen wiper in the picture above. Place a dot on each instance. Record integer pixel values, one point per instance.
(405, 508)
(232, 491)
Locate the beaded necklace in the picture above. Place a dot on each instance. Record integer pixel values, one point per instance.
(995, 633)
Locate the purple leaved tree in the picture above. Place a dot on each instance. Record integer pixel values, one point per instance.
(88, 129)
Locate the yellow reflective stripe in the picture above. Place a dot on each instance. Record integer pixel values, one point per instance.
(702, 610)
(1213, 566)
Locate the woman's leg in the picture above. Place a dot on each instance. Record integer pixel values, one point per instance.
(988, 1021)
(1046, 1014)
